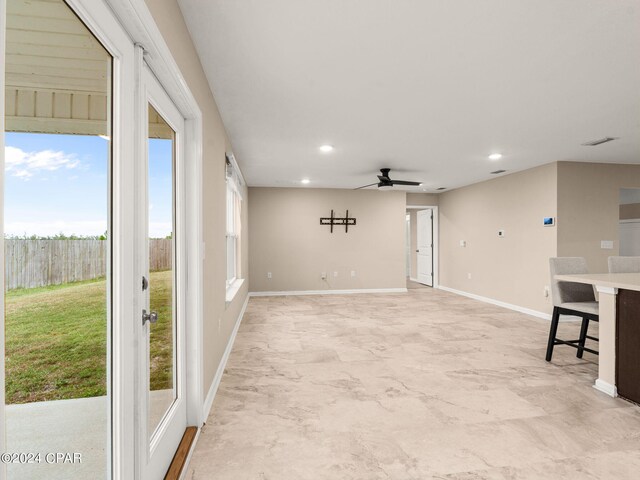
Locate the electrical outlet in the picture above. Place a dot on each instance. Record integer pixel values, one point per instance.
(546, 291)
(269, 275)
(323, 275)
(501, 233)
(353, 273)
(469, 276)
(335, 274)
(463, 243)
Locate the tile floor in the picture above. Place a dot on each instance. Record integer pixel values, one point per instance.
(422, 385)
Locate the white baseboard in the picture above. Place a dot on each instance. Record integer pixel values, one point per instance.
(605, 387)
(208, 402)
(492, 301)
(327, 292)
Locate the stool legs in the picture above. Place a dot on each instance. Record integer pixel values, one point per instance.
(552, 332)
(583, 336)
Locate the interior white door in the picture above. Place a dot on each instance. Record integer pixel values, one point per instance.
(425, 246)
(630, 238)
(163, 406)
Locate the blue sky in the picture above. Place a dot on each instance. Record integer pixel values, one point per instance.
(58, 183)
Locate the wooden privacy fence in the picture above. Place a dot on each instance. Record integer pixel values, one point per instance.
(38, 263)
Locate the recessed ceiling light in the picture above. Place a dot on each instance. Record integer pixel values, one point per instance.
(326, 148)
(495, 156)
(305, 181)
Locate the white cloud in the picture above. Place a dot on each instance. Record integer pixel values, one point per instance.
(25, 165)
(159, 229)
(50, 228)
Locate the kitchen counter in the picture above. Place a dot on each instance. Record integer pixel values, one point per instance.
(608, 286)
(626, 281)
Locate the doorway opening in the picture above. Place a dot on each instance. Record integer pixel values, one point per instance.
(629, 222)
(422, 227)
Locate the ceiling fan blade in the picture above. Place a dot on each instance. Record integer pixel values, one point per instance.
(405, 182)
(365, 186)
(384, 179)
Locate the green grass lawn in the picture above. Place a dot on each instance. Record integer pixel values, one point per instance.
(56, 340)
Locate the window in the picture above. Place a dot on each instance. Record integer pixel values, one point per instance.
(234, 206)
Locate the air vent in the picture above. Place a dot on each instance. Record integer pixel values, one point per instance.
(599, 142)
(497, 172)
(441, 188)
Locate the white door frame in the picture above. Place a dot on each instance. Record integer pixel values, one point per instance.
(436, 239)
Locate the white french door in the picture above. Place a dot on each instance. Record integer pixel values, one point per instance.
(425, 246)
(162, 404)
(129, 424)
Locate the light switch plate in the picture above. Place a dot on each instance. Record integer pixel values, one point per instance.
(606, 244)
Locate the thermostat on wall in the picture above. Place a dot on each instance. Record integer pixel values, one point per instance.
(549, 221)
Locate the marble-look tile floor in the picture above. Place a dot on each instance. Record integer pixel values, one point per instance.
(422, 385)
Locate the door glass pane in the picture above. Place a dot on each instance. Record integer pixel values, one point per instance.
(162, 334)
(57, 242)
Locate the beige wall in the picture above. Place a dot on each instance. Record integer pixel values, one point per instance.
(219, 319)
(629, 211)
(588, 208)
(513, 269)
(288, 240)
(428, 199)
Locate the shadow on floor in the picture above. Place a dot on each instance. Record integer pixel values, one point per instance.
(411, 285)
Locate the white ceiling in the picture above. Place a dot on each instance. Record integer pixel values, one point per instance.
(429, 87)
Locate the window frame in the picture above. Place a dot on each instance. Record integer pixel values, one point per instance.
(233, 215)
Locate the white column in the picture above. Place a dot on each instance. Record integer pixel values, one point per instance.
(606, 381)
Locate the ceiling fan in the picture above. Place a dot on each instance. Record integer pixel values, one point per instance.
(385, 181)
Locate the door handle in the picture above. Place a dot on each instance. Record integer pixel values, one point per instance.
(151, 317)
